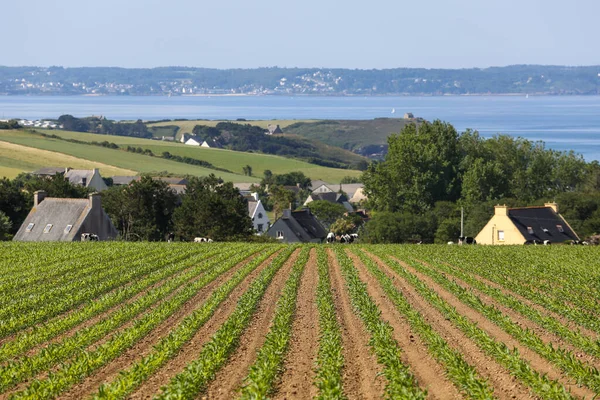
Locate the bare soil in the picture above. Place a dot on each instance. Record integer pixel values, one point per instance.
(230, 378)
(362, 378)
(429, 373)
(299, 367)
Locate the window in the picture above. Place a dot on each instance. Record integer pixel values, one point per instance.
(259, 227)
(48, 228)
(560, 228)
(29, 227)
(501, 236)
(545, 230)
(259, 215)
(530, 230)
(68, 228)
(279, 234)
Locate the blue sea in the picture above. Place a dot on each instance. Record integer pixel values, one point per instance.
(562, 122)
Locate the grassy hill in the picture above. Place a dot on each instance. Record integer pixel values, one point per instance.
(188, 126)
(348, 134)
(230, 160)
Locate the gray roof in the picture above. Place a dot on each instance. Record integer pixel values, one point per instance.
(178, 189)
(172, 180)
(243, 186)
(124, 180)
(76, 176)
(59, 213)
(316, 183)
(544, 224)
(252, 204)
(351, 188)
(49, 171)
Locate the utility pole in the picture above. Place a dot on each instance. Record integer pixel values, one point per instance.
(462, 221)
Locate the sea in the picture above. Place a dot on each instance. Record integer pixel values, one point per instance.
(562, 122)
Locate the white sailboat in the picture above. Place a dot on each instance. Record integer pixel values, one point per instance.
(393, 110)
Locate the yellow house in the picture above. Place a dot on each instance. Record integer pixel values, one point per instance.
(526, 225)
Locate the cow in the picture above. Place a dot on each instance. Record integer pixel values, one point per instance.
(89, 237)
(330, 237)
(202, 240)
(170, 237)
(466, 240)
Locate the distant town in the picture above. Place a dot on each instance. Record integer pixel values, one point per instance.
(183, 81)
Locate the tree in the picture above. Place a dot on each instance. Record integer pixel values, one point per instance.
(326, 211)
(55, 186)
(280, 199)
(421, 167)
(14, 203)
(213, 209)
(5, 227)
(389, 227)
(342, 226)
(142, 210)
(247, 170)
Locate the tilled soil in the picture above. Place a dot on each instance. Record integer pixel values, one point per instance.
(362, 378)
(536, 361)
(429, 373)
(230, 378)
(139, 350)
(299, 375)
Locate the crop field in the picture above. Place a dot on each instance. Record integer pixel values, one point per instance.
(237, 320)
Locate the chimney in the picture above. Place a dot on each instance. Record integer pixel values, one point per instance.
(297, 184)
(287, 213)
(38, 196)
(67, 170)
(501, 210)
(95, 201)
(553, 206)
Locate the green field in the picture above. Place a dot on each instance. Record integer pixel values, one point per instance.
(188, 126)
(230, 160)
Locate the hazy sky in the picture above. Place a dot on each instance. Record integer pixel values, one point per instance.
(304, 33)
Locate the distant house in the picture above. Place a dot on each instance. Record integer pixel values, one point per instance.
(258, 215)
(324, 187)
(244, 188)
(359, 195)
(171, 180)
(89, 178)
(194, 141)
(525, 225)
(65, 220)
(273, 129)
(211, 144)
(298, 226)
(331, 197)
(409, 115)
(124, 180)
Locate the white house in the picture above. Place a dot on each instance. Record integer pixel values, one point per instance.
(258, 215)
(192, 141)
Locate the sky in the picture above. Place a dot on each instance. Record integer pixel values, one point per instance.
(362, 34)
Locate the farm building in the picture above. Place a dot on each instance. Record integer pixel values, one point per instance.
(89, 178)
(64, 220)
(258, 215)
(298, 226)
(526, 225)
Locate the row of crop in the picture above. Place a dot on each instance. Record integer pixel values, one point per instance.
(463, 375)
(525, 275)
(49, 305)
(400, 381)
(197, 374)
(330, 359)
(26, 340)
(268, 364)
(86, 362)
(170, 345)
(585, 343)
(564, 359)
(510, 359)
(16, 371)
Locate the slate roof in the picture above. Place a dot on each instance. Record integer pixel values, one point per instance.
(306, 225)
(243, 186)
(59, 213)
(331, 197)
(544, 223)
(124, 180)
(252, 204)
(316, 183)
(172, 180)
(49, 171)
(76, 176)
(178, 189)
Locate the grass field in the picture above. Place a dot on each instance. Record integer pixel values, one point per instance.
(15, 159)
(251, 321)
(230, 160)
(188, 126)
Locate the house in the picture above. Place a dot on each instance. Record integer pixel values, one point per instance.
(194, 141)
(124, 180)
(273, 129)
(324, 187)
(409, 115)
(331, 197)
(172, 180)
(298, 226)
(244, 188)
(525, 225)
(65, 220)
(50, 171)
(211, 144)
(359, 195)
(89, 178)
(258, 215)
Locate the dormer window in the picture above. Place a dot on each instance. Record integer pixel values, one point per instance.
(29, 227)
(530, 230)
(560, 228)
(279, 234)
(48, 228)
(545, 230)
(68, 228)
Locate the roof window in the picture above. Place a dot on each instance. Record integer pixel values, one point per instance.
(545, 230)
(68, 228)
(560, 228)
(530, 230)
(48, 228)
(29, 227)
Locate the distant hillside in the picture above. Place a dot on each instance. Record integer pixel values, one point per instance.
(177, 81)
(140, 163)
(366, 137)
